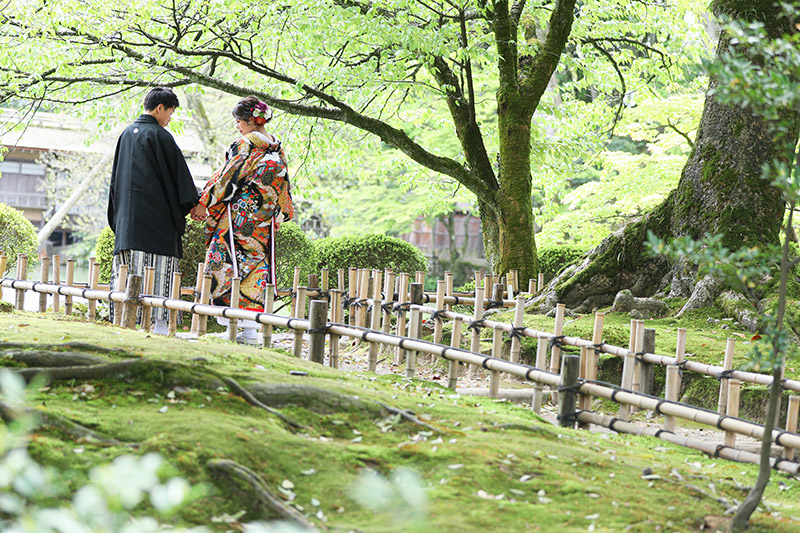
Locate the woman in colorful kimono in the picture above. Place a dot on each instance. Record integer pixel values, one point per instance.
(251, 194)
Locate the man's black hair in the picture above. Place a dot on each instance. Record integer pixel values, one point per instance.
(160, 95)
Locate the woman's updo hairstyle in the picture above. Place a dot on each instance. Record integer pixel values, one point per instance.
(251, 107)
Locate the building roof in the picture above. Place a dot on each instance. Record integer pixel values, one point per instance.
(45, 132)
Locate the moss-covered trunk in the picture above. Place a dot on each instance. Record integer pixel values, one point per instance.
(509, 241)
(721, 191)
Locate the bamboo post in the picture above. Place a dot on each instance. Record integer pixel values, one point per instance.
(723, 383)
(131, 302)
(531, 286)
(487, 288)
(558, 331)
(22, 274)
(352, 288)
(584, 358)
(388, 298)
(340, 279)
(336, 314)
(448, 287)
(402, 298)
(363, 295)
(568, 394)
(90, 303)
(420, 277)
(70, 281)
(122, 280)
(636, 385)
(293, 296)
(205, 296)
(478, 278)
(680, 356)
(732, 409)
(416, 290)
(325, 282)
(147, 311)
(318, 322)
(300, 312)
(438, 321)
(56, 281)
(3, 267)
(671, 394)
(497, 353)
(94, 281)
(455, 342)
(593, 359)
(519, 315)
(648, 369)
(313, 281)
(413, 327)
(233, 324)
(44, 278)
(627, 368)
(541, 364)
(375, 323)
(175, 294)
(269, 303)
(791, 423)
(541, 282)
(516, 282)
(477, 314)
(198, 292)
(510, 284)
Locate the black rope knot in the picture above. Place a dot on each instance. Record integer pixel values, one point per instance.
(494, 304)
(556, 340)
(598, 347)
(387, 307)
(323, 329)
(639, 356)
(477, 325)
(405, 307)
(725, 374)
(439, 315)
(570, 418)
(517, 333)
(569, 388)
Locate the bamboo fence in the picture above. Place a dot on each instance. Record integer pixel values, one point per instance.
(366, 299)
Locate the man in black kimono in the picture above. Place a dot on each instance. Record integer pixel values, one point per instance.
(150, 195)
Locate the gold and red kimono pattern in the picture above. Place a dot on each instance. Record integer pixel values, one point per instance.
(254, 184)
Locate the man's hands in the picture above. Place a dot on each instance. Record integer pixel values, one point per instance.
(199, 212)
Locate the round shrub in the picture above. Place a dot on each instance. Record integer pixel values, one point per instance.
(293, 249)
(104, 253)
(367, 251)
(554, 259)
(17, 236)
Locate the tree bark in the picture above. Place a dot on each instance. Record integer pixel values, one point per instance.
(721, 191)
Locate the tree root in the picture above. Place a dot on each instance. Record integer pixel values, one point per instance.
(61, 423)
(408, 416)
(72, 345)
(237, 389)
(42, 358)
(238, 472)
(116, 370)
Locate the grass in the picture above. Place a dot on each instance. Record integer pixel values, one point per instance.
(475, 475)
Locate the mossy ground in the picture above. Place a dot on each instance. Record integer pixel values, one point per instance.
(538, 479)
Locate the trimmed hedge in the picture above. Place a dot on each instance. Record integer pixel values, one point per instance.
(293, 249)
(554, 259)
(104, 253)
(17, 236)
(368, 251)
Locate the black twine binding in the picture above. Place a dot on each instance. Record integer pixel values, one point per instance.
(568, 388)
(517, 333)
(402, 307)
(486, 360)
(323, 329)
(477, 325)
(725, 374)
(556, 340)
(658, 406)
(720, 419)
(639, 356)
(613, 421)
(718, 449)
(388, 307)
(439, 315)
(571, 418)
(494, 304)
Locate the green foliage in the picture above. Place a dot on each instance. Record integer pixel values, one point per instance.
(368, 251)
(107, 503)
(293, 249)
(554, 259)
(104, 253)
(17, 236)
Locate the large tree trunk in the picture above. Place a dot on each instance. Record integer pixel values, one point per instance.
(721, 191)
